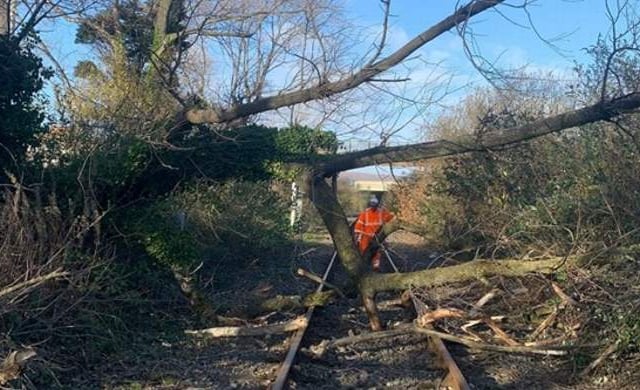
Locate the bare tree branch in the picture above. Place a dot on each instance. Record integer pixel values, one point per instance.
(198, 116)
(381, 155)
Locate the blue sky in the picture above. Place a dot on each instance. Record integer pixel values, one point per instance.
(509, 36)
(504, 35)
(570, 24)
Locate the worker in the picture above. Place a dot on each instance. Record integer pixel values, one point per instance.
(370, 222)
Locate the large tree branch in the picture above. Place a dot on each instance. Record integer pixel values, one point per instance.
(198, 116)
(371, 284)
(426, 150)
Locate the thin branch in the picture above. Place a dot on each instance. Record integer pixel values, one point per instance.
(441, 148)
(199, 116)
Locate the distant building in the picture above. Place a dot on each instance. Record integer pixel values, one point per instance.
(366, 182)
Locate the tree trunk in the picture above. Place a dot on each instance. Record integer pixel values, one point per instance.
(373, 283)
(335, 220)
(370, 284)
(5, 18)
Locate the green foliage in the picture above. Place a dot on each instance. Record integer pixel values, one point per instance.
(156, 229)
(210, 222)
(236, 219)
(301, 143)
(551, 195)
(254, 152)
(22, 78)
(133, 23)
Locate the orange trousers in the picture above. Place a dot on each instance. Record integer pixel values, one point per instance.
(363, 245)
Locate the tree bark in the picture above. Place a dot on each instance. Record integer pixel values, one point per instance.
(497, 138)
(5, 11)
(335, 220)
(374, 283)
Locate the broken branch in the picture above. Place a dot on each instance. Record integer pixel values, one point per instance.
(237, 331)
(318, 279)
(373, 283)
(33, 282)
(490, 347)
(321, 348)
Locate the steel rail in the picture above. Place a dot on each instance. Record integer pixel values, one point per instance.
(453, 378)
(296, 339)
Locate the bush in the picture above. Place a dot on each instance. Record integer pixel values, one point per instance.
(216, 224)
(568, 192)
(50, 273)
(21, 117)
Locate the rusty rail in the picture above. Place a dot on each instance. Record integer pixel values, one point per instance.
(452, 380)
(296, 339)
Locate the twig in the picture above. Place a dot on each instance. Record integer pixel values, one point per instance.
(238, 331)
(437, 314)
(466, 329)
(565, 298)
(605, 354)
(555, 340)
(483, 301)
(310, 275)
(544, 324)
(500, 333)
(490, 347)
(33, 282)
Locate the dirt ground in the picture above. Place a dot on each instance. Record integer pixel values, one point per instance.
(402, 362)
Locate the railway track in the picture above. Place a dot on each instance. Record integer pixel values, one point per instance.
(447, 374)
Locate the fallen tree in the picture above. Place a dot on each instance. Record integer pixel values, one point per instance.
(327, 204)
(323, 196)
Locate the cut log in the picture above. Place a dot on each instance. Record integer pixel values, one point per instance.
(238, 331)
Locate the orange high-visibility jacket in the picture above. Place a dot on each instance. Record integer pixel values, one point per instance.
(370, 220)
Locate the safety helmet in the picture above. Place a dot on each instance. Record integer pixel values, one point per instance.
(374, 200)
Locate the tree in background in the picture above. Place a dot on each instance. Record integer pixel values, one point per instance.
(22, 76)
